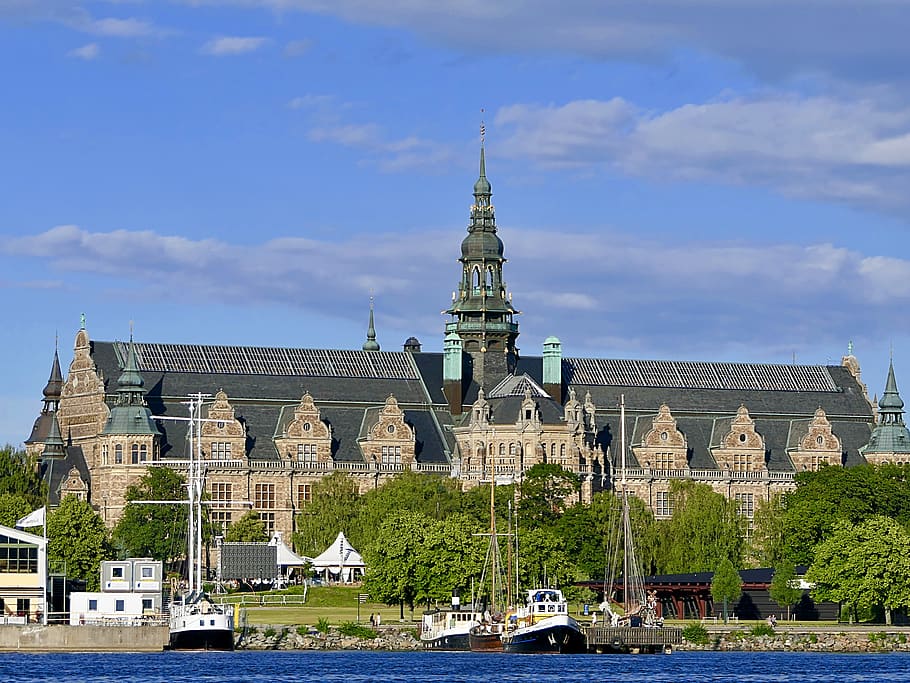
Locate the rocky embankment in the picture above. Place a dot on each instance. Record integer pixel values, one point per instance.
(805, 641)
(302, 638)
(403, 639)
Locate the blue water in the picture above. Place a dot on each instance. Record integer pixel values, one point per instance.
(438, 667)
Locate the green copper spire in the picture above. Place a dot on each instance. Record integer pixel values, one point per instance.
(371, 344)
(890, 435)
(481, 310)
(130, 413)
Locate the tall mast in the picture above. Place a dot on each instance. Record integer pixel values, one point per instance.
(625, 506)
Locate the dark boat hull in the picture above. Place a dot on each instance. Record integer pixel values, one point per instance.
(449, 641)
(560, 639)
(202, 639)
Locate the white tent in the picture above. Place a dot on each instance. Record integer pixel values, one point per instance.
(340, 562)
(287, 559)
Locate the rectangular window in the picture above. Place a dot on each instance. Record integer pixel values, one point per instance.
(663, 461)
(221, 450)
(148, 572)
(146, 604)
(742, 462)
(17, 557)
(119, 606)
(304, 494)
(746, 504)
(92, 605)
(663, 504)
(307, 453)
(268, 519)
(221, 520)
(116, 572)
(264, 496)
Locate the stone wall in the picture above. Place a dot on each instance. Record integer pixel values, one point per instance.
(57, 638)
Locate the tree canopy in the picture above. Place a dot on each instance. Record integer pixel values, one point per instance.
(13, 507)
(865, 565)
(157, 531)
(248, 529)
(544, 490)
(19, 475)
(333, 507)
(835, 494)
(726, 585)
(77, 541)
(704, 529)
(782, 590)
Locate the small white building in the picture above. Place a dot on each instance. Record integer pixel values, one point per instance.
(23, 576)
(131, 593)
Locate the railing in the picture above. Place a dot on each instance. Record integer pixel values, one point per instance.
(711, 475)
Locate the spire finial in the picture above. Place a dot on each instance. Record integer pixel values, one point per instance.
(483, 129)
(82, 321)
(850, 348)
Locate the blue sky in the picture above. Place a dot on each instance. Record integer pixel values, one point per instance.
(674, 179)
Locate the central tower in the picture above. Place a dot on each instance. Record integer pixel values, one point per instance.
(481, 309)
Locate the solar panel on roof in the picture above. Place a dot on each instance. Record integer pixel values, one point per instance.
(242, 360)
(700, 375)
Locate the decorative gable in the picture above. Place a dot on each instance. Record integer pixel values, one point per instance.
(390, 441)
(73, 485)
(742, 449)
(306, 438)
(818, 445)
(223, 436)
(663, 447)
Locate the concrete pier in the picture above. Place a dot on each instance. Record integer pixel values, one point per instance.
(60, 638)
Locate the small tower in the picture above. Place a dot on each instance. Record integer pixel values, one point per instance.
(47, 420)
(371, 344)
(552, 368)
(890, 439)
(130, 415)
(481, 310)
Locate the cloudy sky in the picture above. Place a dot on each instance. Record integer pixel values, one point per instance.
(673, 179)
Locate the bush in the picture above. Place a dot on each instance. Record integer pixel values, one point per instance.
(303, 630)
(349, 628)
(323, 625)
(762, 630)
(696, 634)
(269, 632)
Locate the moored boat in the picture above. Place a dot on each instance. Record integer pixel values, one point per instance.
(543, 624)
(448, 629)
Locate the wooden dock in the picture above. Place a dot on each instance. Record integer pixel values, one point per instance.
(632, 639)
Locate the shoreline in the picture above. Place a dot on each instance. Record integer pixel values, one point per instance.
(393, 638)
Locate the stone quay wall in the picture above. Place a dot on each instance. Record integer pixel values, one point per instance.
(64, 638)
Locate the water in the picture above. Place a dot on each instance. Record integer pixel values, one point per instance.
(439, 667)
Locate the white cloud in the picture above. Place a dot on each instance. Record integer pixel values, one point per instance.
(664, 299)
(87, 52)
(296, 48)
(121, 28)
(815, 147)
(862, 42)
(224, 46)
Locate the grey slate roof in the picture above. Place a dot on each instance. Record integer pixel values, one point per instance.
(778, 395)
(54, 471)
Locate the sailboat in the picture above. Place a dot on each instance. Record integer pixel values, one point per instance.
(629, 624)
(196, 622)
(487, 635)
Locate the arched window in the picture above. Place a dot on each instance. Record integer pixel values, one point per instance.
(562, 450)
(118, 454)
(134, 454)
(552, 450)
(475, 280)
(502, 449)
(513, 449)
(143, 453)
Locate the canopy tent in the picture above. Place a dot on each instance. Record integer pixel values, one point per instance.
(340, 562)
(287, 559)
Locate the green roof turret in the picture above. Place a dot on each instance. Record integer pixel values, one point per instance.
(371, 344)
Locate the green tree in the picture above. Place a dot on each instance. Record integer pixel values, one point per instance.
(77, 541)
(394, 559)
(542, 560)
(704, 529)
(726, 585)
(333, 507)
(865, 566)
(590, 533)
(13, 507)
(248, 529)
(157, 531)
(782, 590)
(436, 497)
(19, 475)
(767, 546)
(544, 494)
(834, 494)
